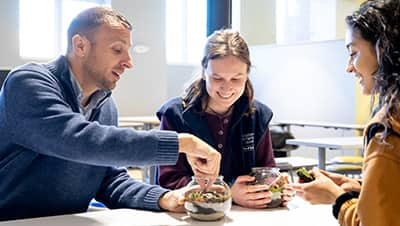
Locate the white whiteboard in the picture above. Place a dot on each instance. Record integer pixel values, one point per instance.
(305, 81)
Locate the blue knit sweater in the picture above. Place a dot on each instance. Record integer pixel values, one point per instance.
(54, 161)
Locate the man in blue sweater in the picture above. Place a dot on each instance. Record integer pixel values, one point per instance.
(60, 146)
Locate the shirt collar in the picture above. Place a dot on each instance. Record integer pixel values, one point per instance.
(95, 100)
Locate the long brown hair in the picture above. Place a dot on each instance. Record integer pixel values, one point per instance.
(220, 44)
(378, 22)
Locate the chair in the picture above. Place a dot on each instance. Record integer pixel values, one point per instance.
(348, 165)
(278, 138)
(3, 75)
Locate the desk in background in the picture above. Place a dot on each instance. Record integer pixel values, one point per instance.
(305, 214)
(328, 143)
(327, 125)
(135, 125)
(143, 123)
(149, 122)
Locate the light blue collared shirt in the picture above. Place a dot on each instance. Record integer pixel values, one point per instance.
(95, 100)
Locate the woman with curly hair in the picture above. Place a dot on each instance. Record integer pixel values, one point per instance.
(372, 40)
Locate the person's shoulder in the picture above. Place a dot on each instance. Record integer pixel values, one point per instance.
(175, 102)
(27, 73)
(174, 105)
(262, 108)
(29, 68)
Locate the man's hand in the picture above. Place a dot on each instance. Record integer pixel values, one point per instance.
(204, 160)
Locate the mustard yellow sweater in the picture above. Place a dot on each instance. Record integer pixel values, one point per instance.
(379, 200)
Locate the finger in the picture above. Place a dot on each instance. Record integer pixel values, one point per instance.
(201, 165)
(207, 168)
(346, 187)
(324, 172)
(257, 188)
(181, 200)
(288, 196)
(245, 179)
(201, 169)
(288, 191)
(258, 203)
(298, 187)
(266, 196)
(288, 187)
(315, 171)
(252, 204)
(300, 194)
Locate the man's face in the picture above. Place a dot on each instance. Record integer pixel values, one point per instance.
(107, 57)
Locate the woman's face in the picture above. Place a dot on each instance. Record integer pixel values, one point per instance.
(362, 60)
(225, 82)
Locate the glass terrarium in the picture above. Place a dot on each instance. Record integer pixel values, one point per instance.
(273, 178)
(209, 204)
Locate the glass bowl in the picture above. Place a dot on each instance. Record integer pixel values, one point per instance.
(273, 178)
(208, 205)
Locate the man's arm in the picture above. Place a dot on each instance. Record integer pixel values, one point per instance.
(119, 190)
(44, 121)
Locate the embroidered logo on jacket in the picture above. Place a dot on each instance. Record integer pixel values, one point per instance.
(248, 142)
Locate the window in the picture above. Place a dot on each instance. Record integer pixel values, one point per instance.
(44, 35)
(186, 30)
(305, 20)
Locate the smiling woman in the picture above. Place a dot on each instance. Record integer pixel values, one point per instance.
(219, 107)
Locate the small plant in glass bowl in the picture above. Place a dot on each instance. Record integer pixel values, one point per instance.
(273, 178)
(208, 205)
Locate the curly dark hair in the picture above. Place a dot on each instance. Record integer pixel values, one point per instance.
(221, 43)
(378, 23)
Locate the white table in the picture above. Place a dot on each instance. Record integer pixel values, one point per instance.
(306, 214)
(149, 122)
(328, 143)
(346, 126)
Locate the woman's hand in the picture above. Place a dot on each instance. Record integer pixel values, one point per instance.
(173, 200)
(288, 191)
(322, 190)
(250, 196)
(347, 184)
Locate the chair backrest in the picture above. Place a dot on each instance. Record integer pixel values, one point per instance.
(3, 75)
(279, 137)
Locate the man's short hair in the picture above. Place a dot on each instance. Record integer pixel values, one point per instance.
(88, 20)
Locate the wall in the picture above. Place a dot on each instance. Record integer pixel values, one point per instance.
(257, 21)
(134, 84)
(9, 54)
(178, 77)
(144, 89)
(306, 82)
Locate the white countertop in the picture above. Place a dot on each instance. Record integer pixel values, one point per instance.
(299, 213)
